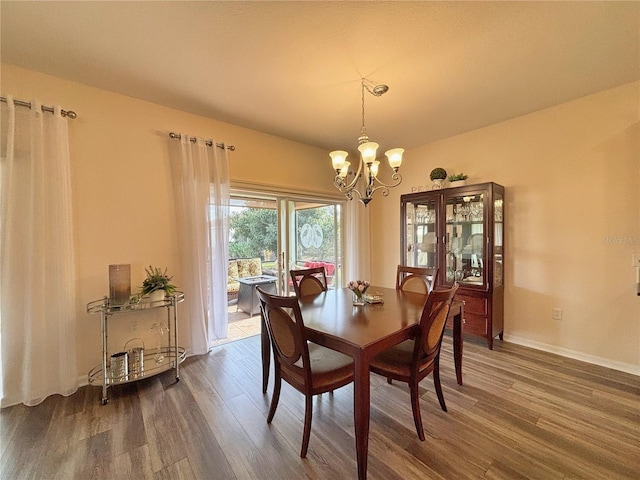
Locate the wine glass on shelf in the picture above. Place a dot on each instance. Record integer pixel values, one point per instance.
(159, 330)
(465, 210)
(476, 211)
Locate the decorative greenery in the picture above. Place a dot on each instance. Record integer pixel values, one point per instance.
(438, 174)
(459, 176)
(157, 280)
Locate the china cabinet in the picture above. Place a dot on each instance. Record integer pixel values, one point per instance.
(123, 367)
(460, 231)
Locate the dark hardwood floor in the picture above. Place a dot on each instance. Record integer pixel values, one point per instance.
(521, 414)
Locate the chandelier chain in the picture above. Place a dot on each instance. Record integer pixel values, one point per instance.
(364, 138)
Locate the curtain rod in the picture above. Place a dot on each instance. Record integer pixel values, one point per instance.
(209, 143)
(65, 113)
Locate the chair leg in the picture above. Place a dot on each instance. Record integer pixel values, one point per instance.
(436, 383)
(308, 409)
(389, 380)
(415, 406)
(276, 395)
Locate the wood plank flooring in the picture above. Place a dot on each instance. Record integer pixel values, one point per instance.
(521, 414)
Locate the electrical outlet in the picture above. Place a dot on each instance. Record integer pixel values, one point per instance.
(557, 314)
(635, 260)
(134, 326)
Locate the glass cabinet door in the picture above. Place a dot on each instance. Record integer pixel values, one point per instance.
(421, 234)
(498, 215)
(465, 239)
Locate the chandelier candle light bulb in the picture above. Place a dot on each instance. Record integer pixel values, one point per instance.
(338, 159)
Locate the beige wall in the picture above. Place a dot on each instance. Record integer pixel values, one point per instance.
(572, 179)
(122, 191)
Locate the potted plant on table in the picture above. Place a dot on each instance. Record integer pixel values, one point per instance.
(458, 180)
(438, 176)
(157, 285)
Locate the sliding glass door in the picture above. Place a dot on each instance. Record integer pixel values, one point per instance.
(285, 233)
(311, 234)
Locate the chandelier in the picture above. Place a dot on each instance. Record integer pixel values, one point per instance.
(346, 180)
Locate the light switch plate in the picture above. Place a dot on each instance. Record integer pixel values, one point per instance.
(635, 260)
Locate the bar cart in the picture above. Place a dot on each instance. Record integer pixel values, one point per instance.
(151, 362)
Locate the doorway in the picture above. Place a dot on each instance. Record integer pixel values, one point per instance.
(280, 233)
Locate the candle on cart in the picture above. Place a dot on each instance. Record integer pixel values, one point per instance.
(119, 283)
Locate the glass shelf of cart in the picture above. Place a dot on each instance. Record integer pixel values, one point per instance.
(144, 303)
(150, 368)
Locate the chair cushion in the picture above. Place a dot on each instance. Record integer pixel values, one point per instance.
(329, 268)
(327, 366)
(249, 267)
(232, 272)
(396, 359)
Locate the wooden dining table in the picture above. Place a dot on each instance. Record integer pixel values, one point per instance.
(361, 332)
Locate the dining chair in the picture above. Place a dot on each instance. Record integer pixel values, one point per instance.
(416, 279)
(414, 359)
(309, 281)
(309, 368)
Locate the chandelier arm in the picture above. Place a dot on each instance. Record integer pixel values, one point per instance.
(345, 188)
(338, 182)
(396, 177)
(347, 192)
(353, 182)
(385, 190)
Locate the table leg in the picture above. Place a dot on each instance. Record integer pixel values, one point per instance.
(361, 412)
(457, 344)
(266, 354)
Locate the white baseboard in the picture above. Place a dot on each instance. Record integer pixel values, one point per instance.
(603, 362)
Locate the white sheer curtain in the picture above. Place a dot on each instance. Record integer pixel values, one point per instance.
(358, 247)
(201, 190)
(37, 266)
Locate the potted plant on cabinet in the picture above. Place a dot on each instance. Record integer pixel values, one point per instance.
(157, 285)
(438, 176)
(458, 180)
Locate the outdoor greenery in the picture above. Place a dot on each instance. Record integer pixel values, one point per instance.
(254, 233)
(253, 230)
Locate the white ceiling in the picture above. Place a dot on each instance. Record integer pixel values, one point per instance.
(293, 69)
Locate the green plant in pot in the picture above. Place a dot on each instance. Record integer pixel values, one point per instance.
(438, 176)
(159, 282)
(458, 179)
